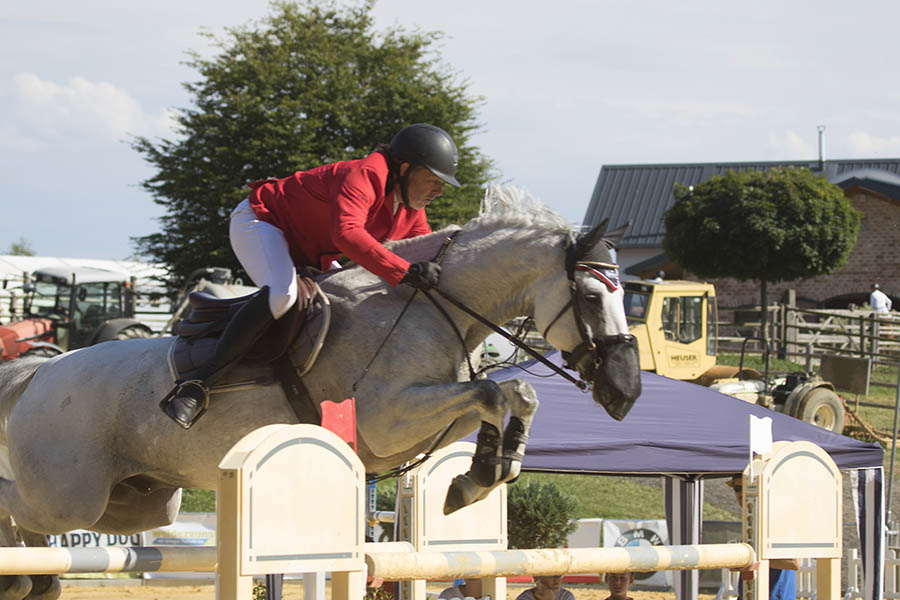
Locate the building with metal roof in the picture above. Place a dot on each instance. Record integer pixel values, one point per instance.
(643, 194)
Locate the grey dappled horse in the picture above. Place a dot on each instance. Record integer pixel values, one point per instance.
(83, 443)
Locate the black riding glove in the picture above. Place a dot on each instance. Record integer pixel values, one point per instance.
(423, 275)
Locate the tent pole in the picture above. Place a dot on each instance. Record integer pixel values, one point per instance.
(893, 450)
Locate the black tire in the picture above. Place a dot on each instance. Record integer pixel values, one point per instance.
(43, 351)
(133, 331)
(822, 407)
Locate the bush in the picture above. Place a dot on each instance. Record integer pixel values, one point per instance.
(196, 500)
(386, 494)
(539, 515)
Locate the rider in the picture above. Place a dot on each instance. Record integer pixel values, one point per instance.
(311, 218)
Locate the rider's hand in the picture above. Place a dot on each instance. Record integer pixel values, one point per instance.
(422, 275)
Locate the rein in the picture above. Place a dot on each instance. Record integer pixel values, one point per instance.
(515, 340)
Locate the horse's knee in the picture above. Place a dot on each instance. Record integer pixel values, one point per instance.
(494, 403)
(522, 396)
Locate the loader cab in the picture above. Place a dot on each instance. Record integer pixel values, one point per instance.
(675, 326)
(78, 301)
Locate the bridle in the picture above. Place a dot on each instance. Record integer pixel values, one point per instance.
(591, 348)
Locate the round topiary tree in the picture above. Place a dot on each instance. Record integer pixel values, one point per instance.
(770, 226)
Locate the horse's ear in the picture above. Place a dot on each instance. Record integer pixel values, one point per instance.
(615, 237)
(588, 240)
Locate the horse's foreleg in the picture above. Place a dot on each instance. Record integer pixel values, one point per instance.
(523, 404)
(496, 460)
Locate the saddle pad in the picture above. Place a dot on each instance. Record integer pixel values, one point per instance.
(307, 329)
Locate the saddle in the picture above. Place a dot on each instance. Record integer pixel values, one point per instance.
(284, 353)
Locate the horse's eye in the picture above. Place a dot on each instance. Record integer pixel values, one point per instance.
(593, 297)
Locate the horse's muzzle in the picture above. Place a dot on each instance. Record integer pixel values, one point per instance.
(611, 364)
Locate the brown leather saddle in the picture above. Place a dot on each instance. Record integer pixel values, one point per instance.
(284, 353)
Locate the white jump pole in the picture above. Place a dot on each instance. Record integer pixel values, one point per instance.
(52, 561)
(558, 561)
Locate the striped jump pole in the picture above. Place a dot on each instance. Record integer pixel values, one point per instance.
(53, 561)
(405, 566)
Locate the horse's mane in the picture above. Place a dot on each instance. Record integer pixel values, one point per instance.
(511, 207)
(506, 207)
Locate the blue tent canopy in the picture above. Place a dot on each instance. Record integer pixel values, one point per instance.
(685, 432)
(675, 427)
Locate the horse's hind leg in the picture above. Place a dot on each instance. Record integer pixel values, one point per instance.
(43, 587)
(12, 587)
(496, 460)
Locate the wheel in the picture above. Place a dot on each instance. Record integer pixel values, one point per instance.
(43, 351)
(133, 331)
(822, 407)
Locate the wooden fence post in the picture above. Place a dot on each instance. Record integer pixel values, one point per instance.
(862, 336)
(790, 322)
(875, 333)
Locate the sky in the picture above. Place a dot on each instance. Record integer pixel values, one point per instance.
(566, 88)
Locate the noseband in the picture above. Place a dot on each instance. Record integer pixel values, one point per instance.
(591, 353)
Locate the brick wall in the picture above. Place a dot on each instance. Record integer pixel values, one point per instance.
(874, 259)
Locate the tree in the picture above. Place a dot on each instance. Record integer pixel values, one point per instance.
(770, 226)
(539, 515)
(21, 248)
(309, 84)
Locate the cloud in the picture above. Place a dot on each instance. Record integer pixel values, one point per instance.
(790, 145)
(862, 143)
(46, 111)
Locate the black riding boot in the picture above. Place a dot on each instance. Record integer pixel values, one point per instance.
(246, 327)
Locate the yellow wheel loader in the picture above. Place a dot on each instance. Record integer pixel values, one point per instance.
(675, 323)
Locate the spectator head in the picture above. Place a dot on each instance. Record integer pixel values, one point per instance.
(618, 584)
(548, 583)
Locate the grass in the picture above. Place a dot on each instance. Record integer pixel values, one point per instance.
(608, 497)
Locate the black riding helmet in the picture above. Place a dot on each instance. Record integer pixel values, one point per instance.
(424, 145)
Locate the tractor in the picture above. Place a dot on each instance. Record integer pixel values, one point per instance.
(65, 308)
(675, 323)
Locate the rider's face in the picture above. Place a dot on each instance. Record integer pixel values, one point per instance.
(424, 186)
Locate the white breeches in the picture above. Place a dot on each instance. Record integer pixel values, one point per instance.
(263, 251)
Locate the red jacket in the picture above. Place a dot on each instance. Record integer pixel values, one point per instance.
(340, 208)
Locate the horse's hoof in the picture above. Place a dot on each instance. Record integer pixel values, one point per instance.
(515, 468)
(14, 587)
(459, 494)
(45, 587)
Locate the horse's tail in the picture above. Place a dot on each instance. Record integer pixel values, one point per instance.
(15, 375)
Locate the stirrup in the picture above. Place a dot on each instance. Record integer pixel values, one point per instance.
(187, 402)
